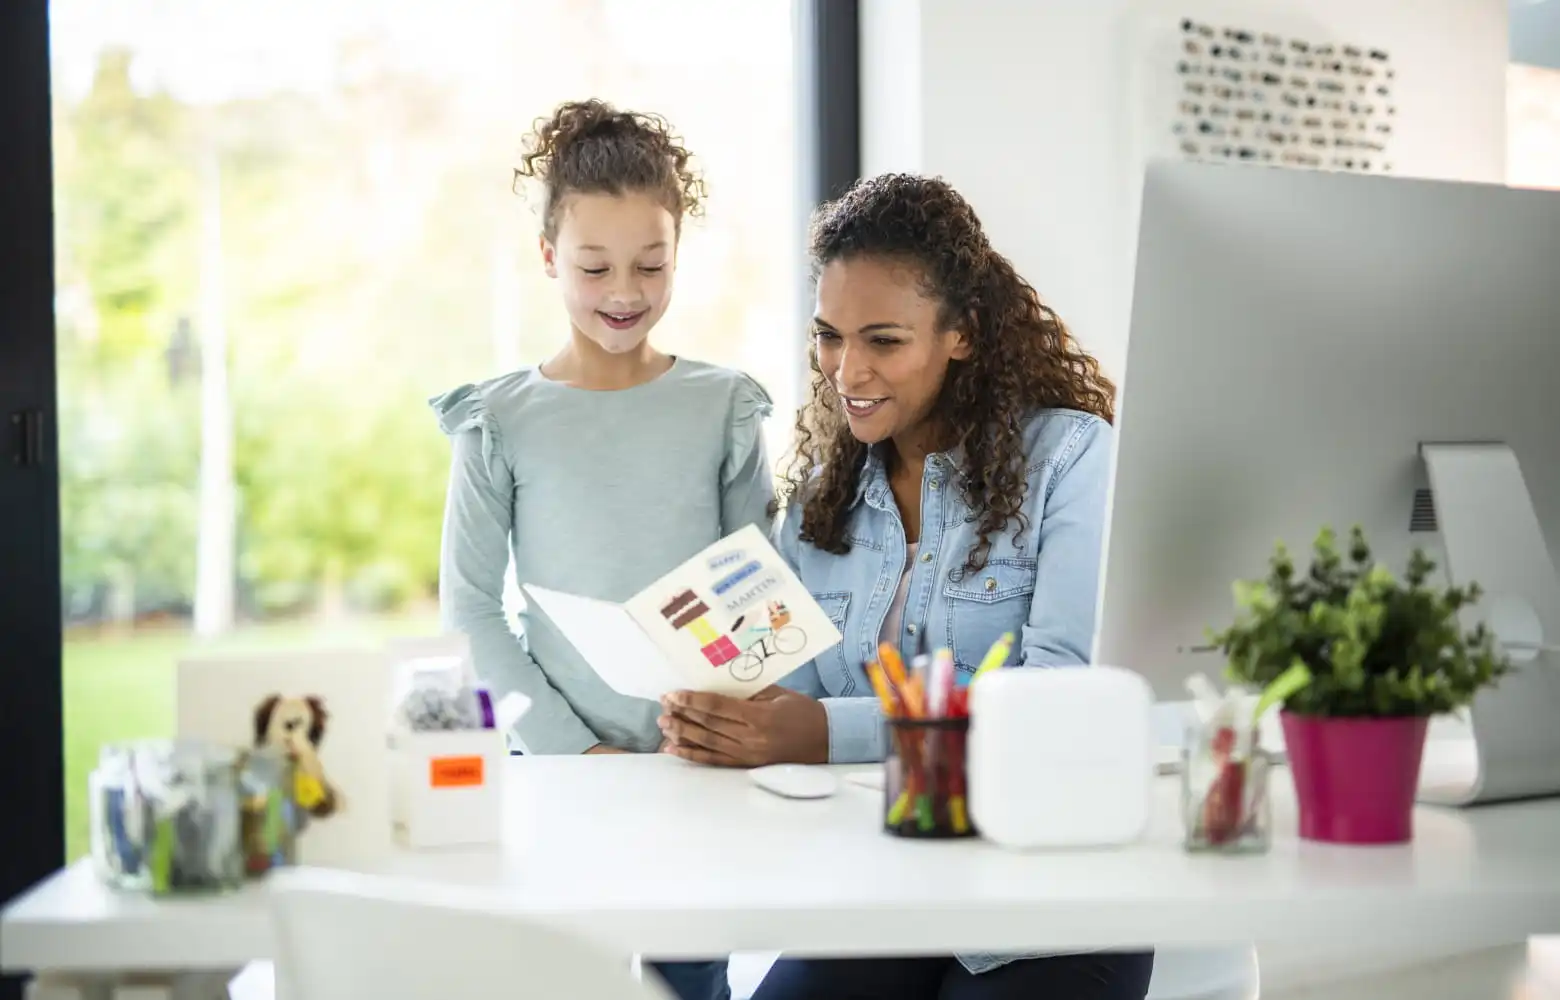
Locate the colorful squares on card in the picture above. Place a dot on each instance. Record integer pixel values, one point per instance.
(721, 652)
(703, 631)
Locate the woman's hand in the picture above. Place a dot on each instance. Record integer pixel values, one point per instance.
(775, 726)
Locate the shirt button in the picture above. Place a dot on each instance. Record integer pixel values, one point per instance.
(910, 628)
(991, 583)
(936, 483)
(926, 557)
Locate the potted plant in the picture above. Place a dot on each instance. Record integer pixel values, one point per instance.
(1383, 656)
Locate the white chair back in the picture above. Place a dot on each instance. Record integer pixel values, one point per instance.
(342, 936)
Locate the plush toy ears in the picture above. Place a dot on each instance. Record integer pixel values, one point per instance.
(263, 713)
(317, 719)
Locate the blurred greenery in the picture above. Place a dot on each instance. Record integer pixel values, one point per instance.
(340, 472)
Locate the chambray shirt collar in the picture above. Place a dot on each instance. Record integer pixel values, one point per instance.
(872, 485)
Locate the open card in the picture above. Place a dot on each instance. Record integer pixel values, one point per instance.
(732, 620)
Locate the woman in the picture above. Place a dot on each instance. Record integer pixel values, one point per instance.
(950, 486)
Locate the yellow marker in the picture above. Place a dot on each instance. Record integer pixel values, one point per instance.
(889, 656)
(961, 823)
(896, 813)
(880, 685)
(996, 655)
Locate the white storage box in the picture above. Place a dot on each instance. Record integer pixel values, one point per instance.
(447, 787)
(1060, 757)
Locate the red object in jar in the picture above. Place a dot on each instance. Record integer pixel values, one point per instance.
(1221, 816)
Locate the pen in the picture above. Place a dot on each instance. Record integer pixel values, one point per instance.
(940, 684)
(889, 657)
(880, 685)
(921, 664)
(996, 655)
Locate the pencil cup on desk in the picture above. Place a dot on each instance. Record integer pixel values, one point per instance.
(924, 781)
(1224, 790)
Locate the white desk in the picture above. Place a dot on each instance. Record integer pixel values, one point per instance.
(669, 860)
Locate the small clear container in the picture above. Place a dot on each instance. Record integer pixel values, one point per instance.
(1225, 806)
(269, 817)
(165, 817)
(925, 779)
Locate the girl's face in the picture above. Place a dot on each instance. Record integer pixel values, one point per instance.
(613, 259)
(879, 346)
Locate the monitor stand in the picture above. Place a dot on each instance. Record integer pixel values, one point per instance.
(1491, 535)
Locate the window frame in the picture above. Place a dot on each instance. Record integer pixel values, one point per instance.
(31, 698)
(828, 86)
(31, 683)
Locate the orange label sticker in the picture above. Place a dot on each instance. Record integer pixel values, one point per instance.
(455, 772)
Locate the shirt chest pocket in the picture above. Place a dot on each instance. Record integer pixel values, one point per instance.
(833, 668)
(986, 603)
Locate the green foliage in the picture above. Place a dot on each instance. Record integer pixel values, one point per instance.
(125, 211)
(127, 495)
(343, 487)
(1374, 646)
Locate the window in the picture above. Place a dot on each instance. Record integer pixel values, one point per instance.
(1533, 126)
(281, 227)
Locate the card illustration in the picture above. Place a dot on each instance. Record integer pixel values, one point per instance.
(733, 619)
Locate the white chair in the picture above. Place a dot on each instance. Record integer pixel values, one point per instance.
(342, 936)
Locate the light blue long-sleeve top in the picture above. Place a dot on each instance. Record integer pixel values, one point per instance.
(597, 494)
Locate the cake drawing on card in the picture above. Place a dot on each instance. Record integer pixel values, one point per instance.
(734, 619)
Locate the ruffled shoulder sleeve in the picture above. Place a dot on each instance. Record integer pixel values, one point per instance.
(750, 407)
(463, 410)
(460, 409)
(747, 484)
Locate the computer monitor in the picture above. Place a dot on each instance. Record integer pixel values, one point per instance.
(1311, 349)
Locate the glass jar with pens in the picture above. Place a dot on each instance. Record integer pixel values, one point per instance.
(1225, 807)
(166, 816)
(925, 772)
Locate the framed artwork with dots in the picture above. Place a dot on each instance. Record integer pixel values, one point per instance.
(1251, 96)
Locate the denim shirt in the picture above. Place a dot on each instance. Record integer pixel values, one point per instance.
(1042, 585)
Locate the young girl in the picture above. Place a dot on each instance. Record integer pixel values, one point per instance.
(610, 463)
(951, 483)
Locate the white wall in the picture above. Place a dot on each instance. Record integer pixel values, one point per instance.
(1031, 109)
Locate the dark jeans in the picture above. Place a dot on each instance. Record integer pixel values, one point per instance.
(1102, 976)
(694, 980)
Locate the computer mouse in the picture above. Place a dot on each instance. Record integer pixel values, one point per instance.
(795, 781)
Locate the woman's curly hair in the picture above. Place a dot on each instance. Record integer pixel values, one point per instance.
(591, 147)
(1022, 358)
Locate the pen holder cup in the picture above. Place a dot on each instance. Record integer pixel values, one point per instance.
(1225, 806)
(166, 817)
(925, 779)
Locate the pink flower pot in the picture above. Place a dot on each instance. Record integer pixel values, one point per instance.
(1355, 778)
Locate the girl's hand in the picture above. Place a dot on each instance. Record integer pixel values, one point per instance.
(775, 726)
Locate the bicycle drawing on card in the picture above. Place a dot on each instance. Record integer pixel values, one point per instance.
(686, 611)
(779, 638)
